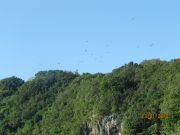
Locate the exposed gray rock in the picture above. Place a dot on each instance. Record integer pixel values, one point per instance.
(109, 125)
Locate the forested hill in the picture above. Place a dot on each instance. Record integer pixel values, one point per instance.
(135, 99)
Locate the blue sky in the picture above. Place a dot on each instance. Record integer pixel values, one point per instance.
(85, 35)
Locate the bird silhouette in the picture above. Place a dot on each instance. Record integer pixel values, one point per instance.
(86, 41)
(151, 45)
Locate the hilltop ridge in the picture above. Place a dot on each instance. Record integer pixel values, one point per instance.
(59, 102)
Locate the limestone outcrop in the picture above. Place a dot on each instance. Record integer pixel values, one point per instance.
(109, 125)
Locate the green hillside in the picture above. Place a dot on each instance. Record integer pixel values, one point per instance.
(135, 99)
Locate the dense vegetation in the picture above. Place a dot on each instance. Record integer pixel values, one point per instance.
(61, 103)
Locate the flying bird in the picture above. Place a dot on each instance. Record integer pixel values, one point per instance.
(86, 41)
(151, 45)
(138, 46)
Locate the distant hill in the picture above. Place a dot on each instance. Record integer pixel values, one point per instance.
(135, 99)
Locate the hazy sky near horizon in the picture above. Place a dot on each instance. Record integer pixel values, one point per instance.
(85, 35)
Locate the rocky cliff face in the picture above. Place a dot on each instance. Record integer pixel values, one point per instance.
(109, 125)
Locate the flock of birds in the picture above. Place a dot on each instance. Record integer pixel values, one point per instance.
(97, 58)
(93, 57)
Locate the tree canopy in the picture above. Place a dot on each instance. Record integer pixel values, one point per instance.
(62, 103)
